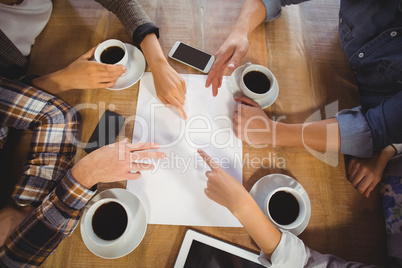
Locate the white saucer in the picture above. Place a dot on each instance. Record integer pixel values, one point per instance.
(137, 68)
(134, 236)
(234, 82)
(270, 182)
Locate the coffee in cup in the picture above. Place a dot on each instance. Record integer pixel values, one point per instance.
(114, 52)
(285, 207)
(107, 221)
(112, 55)
(257, 82)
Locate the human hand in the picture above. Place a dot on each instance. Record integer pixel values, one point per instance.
(85, 73)
(170, 88)
(223, 188)
(115, 162)
(250, 123)
(366, 173)
(229, 55)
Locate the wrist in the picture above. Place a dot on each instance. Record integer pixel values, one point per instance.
(157, 62)
(240, 208)
(80, 174)
(387, 153)
(286, 135)
(52, 83)
(240, 32)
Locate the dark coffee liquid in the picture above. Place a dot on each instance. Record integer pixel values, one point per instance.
(257, 82)
(283, 207)
(109, 221)
(111, 55)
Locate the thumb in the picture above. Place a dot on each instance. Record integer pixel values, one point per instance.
(133, 175)
(235, 59)
(89, 54)
(247, 101)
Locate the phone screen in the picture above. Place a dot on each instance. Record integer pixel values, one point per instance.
(191, 56)
(106, 131)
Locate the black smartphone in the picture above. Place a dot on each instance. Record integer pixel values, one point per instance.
(106, 131)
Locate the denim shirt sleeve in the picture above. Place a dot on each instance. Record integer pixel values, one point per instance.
(385, 122)
(363, 132)
(356, 139)
(274, 7)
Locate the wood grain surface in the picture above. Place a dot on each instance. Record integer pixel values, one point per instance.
(301, 48)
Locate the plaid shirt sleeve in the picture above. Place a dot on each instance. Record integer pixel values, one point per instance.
(39, 235)
(54, 125)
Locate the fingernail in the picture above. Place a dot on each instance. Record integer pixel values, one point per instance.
(163, 155)
(231, 65)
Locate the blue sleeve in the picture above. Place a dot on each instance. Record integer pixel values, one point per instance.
(355, 133)
(274, 7)
(385, 122)
(362, 133)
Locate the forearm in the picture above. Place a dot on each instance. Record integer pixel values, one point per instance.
(257, 225)
(51, 83)
(252, 14)
(321, 135)
(153, 52)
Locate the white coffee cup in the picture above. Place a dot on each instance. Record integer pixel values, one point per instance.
(113, 43)
(258, 68)
(297, 194)
(89, 227)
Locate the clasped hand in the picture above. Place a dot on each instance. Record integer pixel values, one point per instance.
(250, 123)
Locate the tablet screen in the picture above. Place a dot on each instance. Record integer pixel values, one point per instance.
(202, 256)
(202, 251)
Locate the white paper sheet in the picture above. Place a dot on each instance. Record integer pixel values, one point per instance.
(173, 193)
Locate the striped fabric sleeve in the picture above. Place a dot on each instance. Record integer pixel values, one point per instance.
(40, 234)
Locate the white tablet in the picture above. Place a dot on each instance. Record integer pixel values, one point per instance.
(201, 251)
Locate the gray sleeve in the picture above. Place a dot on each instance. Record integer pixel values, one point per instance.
(130, 13)
(398, 148)
(274, 7)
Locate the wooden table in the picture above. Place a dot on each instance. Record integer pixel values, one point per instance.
(303, 51)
